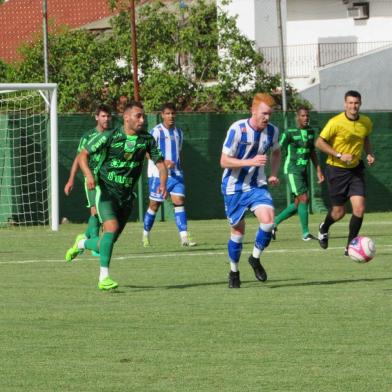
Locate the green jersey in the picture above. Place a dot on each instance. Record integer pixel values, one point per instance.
(299, 144)
(123, 163)
(95, 159)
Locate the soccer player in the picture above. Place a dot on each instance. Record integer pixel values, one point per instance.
(102, 117)
(169, 139)
(344, 139)
(125, 150)
(299, 146)
(244, 183)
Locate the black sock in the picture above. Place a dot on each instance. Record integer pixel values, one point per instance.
(354, 227)
(328, 221)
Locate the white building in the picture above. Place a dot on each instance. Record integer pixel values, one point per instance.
(330, 45)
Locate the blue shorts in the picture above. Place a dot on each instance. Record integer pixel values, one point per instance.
(236, 205)
(175, 186)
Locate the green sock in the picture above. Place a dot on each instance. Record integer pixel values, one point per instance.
(92, 244)
(286, 213)
(106, 249)
(93, 226)
(304, 217)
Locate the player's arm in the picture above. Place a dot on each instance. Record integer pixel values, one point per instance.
(228, 162)
(162, 178)
(369, 152)
(323, 146)
(85, 168)
(70, 183)
(275, 165)
(320, 175)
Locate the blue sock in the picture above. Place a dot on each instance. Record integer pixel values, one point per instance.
(181, 221)
(263, 238)
(234, 247)
(149, 219)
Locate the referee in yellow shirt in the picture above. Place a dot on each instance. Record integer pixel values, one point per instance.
(344, 139)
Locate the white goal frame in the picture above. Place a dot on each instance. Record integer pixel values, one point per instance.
(48, 91)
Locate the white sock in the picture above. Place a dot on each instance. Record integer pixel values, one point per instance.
(146, 233)
(183, 234)
(103, 273)
(81, 244)
(150, 211)
(234, 266)
(256, 253)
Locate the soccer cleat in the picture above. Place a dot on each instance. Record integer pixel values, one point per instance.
(146, 241)
(258, 269)
(323, 237)
(346, 251)
(107, 284)
(309, 237)
(273, 232)
(234, 280)
(75, 251)
(187, 241)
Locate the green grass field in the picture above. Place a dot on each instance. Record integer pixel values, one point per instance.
(320, 323)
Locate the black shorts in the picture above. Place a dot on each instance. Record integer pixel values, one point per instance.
(344, 183)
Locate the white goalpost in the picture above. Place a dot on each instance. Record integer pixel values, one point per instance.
(29, 194)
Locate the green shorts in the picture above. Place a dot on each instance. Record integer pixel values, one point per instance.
(90, 196)
(110, 208)
(298, 182)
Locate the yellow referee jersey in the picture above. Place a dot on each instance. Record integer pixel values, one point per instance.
(346, 136)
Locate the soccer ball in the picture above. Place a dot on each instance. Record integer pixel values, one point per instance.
(361, 249)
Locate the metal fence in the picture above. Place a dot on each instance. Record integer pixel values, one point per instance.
(303, 60)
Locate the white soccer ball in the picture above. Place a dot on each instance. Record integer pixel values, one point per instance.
(362, 249)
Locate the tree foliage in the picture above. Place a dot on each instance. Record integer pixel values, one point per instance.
(194, 56)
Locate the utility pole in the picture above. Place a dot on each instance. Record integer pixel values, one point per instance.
(134, 51)
(45, 39)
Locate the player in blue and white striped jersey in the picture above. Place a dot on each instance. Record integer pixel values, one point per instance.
(169, 139)
(245, 153)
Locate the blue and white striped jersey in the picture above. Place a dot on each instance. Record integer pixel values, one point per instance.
(244, 142)
(170, 143)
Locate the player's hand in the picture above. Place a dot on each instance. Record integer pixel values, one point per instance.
(346, 158)
(162, 191)
(370, 159)
(90, 182)
(259, 160)
(273, 180)
(320, 177)
(68, 187)
(169, 164)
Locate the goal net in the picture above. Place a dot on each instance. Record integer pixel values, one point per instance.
(28, 155)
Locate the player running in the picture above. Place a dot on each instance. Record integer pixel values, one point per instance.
(298, 143)
(169, 139)
(102, 117)
(125, 150)
(244, 182)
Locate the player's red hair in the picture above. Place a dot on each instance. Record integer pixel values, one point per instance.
(263, 98)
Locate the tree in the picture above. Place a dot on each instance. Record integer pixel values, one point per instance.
(194, 56)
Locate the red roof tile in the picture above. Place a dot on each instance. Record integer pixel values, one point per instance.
(21, 20)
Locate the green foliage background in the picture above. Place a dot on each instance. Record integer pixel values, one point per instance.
(192, 55)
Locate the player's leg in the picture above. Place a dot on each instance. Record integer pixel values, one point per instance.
(177, 194)
(291, 209)
(260, 202)
(156, 200)
(303, 213)
(358, 211)
(234, 248)
(338, 181)
(235, 210)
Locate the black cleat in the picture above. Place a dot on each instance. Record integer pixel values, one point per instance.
(258, 269)
(273, 233)
(323, 237)
(234, 280)
(346, 251)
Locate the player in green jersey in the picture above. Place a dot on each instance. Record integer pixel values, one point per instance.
(299, 146)
(125, 150)
(102, 117)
